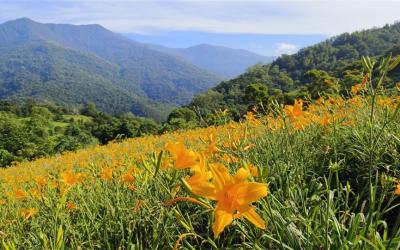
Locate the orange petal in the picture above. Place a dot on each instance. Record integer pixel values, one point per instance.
(252, 216)
(250, 192)
(241, 175)
(222, 219)
(397, 190)
(221, 176)
(205, 189)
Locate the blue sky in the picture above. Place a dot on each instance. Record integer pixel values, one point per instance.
(268, 27)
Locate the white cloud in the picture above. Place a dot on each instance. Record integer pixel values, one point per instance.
(286, 48)
(234, 16)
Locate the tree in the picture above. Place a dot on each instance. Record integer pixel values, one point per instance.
(90, 110)
(321, 84)
(184, 113)
(256, 93)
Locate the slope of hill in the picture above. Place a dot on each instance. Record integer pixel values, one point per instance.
(287, 75)
(310, 183)
(221, 60)
(125, 68)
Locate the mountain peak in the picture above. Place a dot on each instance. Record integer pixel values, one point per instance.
(22, 20)
(28, 21)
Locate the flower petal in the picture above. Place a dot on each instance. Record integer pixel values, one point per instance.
(221, 176)
(241, 175)
(205, 189)
(252, 216)
(249, 192)
(222, 219)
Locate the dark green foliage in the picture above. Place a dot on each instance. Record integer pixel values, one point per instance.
(31, 130)
(25, 138)
(321, 84)
(184, 113)
(181, 118)
(75, 137)
(256, 93)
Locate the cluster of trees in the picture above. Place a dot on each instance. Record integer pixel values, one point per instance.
(30, 130)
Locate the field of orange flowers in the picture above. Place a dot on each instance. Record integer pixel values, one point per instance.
(281, 180)
(321, 175)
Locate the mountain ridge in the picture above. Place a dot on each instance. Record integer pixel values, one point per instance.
(225, 61)
(146, 75)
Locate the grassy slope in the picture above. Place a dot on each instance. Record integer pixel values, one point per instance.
(316, 165)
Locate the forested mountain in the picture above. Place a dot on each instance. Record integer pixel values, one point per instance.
(221, 60)
(328, 67)
(45, 71)
(72, 65)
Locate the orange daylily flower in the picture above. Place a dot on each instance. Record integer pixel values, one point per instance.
(294, 110)
(27, 213)
(41, 181)
(234, 196)
(199, 181)
(20, 194)
(35, 193)
(253, 170)
(70, 206)
(384, 102)
(324, 120)
(250, 116)
(212, 147)
(184, 158)
(127, 177)
(107, 174)
(357, 88)
(71, 179)
(397, 190)
(232, 125)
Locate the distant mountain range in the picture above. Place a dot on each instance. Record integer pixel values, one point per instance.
(78, 64)
(220, 60)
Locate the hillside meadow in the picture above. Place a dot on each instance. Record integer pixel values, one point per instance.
(320, 175)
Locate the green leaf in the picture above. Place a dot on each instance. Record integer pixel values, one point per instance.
(394, 64)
